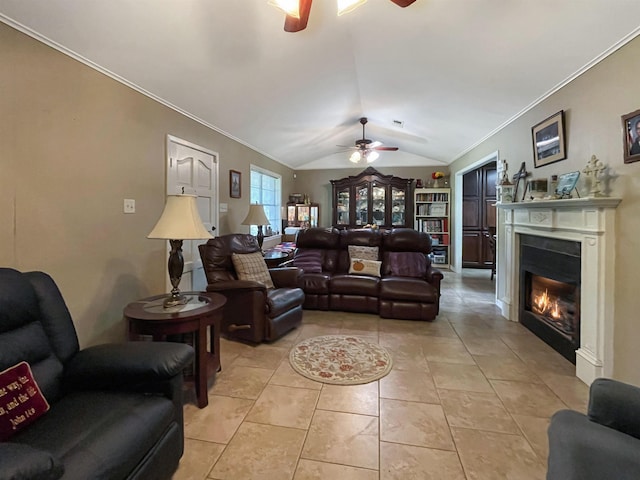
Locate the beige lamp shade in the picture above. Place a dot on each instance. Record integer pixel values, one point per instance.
(256, 215)
(180, 220)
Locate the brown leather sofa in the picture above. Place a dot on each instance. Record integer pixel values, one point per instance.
(252, 312)
(392, 295)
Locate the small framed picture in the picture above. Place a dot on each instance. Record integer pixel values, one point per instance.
(566, 183)
(631, 136)
(548, 140)
(235, 184)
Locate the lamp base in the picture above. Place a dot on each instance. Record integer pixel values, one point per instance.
(176, 265)
(174, 300)
(260, 236)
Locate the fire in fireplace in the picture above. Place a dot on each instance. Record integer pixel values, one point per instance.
(555, 303)
(550, 291)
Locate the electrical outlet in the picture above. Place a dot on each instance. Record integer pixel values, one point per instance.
(129, 205)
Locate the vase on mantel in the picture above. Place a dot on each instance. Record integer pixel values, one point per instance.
(436, 183)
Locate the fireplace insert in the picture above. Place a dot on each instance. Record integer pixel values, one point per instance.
(550, 291)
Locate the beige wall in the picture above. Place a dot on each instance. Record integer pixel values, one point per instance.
(316, 183)
(75, 143)
(593, 104)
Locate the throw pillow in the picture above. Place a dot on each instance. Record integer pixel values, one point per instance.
(21, 401)
(407, 264)
(363, 253)
(365, 267)
(251, 266)
(309, 260)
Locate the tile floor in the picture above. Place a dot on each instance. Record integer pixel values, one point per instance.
(469, 397)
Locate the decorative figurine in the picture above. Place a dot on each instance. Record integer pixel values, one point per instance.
(593, 171)
(504, 175)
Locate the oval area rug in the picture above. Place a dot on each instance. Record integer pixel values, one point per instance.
(340, 359)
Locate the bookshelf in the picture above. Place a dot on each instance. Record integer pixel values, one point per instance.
(432, 215)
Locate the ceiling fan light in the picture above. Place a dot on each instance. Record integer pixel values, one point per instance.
(372, 156)
(290, 7)
(355, 157)
(346, 6)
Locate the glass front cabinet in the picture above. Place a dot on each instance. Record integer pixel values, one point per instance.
(372, 198)
(303, 215)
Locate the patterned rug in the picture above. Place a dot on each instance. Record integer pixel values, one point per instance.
(340, 359)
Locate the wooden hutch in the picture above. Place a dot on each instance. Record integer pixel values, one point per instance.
(372, 198)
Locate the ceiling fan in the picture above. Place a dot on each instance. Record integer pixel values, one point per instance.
(298, 10)
(367, 149)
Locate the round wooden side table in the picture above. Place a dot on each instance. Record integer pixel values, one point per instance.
(203, 310)
(274, 258)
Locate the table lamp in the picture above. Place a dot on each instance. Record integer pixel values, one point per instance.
(179, 221)
(256, 216)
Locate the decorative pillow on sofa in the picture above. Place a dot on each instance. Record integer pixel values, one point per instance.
(407, 264)
(21, 401)
(363, 253)
(251, 266)
(365, 267)
(309, 260)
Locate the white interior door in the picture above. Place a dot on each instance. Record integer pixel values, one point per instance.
(194, 170)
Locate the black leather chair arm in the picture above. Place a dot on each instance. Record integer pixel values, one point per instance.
(234, 285)
(580, 449)
(285, 277)
(616, 405)
(126, 365)
(22, 461)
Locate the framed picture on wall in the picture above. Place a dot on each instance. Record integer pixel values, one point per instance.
(235, 184)
(631, 136)
(548, 140)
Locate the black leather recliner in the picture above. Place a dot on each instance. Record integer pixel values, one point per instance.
(605, 443)
(116, 410)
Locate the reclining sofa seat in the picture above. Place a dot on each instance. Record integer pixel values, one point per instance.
(115, 409)
(252, 313)
(351, 292)
(391, 296)
(408, 297)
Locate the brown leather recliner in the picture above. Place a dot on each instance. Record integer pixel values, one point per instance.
(252, 312)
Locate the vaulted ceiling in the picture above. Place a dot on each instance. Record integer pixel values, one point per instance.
(451, 72)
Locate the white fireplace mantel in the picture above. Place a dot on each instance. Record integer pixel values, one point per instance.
(590, 221)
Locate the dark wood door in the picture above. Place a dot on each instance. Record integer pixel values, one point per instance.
(478, 215)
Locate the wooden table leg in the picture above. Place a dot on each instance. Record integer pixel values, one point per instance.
(214, 342)
(201, 365)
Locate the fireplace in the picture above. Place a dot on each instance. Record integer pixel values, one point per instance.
(584, 270)
(550, 291)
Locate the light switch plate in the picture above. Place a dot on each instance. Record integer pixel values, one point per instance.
(223, 207)
(129, 205)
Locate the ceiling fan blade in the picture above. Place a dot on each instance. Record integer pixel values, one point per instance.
(403, 3)
(385, 149)
(293, 24)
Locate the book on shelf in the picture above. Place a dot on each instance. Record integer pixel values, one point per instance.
(433, 225)
(440, 239)
(437, 209)
(432, 197)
